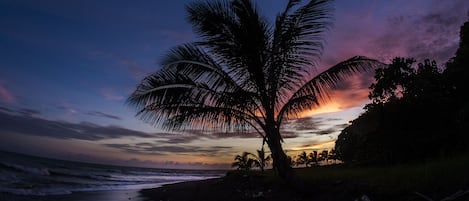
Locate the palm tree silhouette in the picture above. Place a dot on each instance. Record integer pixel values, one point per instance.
(247, 160)
(244, 72)
(243, 162)
(313, 157)
(261, 159)
(302, 159)
(332, 155)
(323, 156)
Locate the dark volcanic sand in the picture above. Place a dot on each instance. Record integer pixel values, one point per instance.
(256, 188)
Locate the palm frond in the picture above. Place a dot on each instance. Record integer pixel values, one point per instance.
(193, 90)
(316, 90)
(176, 106)
(297, 44)
(236, 35)
(192, 61)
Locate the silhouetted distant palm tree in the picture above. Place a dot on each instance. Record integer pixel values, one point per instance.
(332, 155)
(302, 159)
(261, 159)
(244, 72)
(323, 156)
(313, 157)
(243, 162)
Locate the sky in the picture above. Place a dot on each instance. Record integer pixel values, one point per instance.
(67, 67)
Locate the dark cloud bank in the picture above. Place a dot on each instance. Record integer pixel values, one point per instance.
(27, 122)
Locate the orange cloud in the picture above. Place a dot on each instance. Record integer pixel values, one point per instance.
(319, 146)
(349, 93)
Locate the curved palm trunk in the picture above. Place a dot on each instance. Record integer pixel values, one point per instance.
(281, 162)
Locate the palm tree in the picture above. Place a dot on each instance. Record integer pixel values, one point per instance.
(332, 155)
(244, 72)
(243, 162)
(261, 159)
(313, 157)
(323, 156)
(302, 159)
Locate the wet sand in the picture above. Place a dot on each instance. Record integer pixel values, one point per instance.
(121, 195)
(260, 189)
(257, 189)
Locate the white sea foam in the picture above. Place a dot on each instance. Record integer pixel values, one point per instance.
(31, 176)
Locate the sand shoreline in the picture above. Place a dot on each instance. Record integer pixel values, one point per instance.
(110, 195)
(256, 188)
(259, 188)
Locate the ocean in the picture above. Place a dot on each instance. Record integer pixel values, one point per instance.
(25, 177)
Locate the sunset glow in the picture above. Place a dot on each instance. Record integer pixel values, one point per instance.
(329, 107)
(68, 68)
(322, 146)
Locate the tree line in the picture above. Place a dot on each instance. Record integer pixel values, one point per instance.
(417, 112)
(315, 158)
(246, 161)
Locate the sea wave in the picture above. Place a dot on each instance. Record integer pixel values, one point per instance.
(32, 170)
(32, 176)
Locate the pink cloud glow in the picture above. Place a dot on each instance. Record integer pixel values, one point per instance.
(110, 94)
(429, 33)
(5, 95)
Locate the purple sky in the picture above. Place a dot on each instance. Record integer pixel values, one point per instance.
(66, 68)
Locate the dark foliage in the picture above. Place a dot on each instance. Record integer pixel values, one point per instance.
(417, 113)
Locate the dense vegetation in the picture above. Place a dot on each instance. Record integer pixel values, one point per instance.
(418, 112)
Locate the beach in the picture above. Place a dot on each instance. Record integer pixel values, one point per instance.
(25, 178)
(220, 189)
(257, 187)
(113, 195)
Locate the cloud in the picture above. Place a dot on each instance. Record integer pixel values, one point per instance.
(5, 95)
(28, 112)
(304, 124)
(245, 134)
(176, 139)
(67, 109)
(190, 135)
(6, 110)
(432, 32)
(92, 158)
(313, 125)
(340, 127)
(31, 125)
(327, 131)
(385, 32)
(158, 149)
(110, 94)
(15, 121)
(101, 114)
(430, 36)
(352, 92)
(314, 145)
(21, 111)
(136, 69)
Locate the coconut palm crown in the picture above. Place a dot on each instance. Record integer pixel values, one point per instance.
(244, 72)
